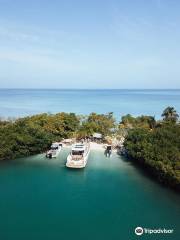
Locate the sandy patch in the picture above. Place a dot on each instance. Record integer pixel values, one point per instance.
(97, 146)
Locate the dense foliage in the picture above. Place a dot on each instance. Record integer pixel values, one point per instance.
(128, 121)
(100, 123)
(157, 150)
(170, 115)
(34, 134)
(30, 135)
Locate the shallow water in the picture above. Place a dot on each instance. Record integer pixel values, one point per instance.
(42, 199)
(19, 102)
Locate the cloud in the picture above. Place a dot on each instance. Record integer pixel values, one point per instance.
(41, 62)
(35, 34)
(16, 35)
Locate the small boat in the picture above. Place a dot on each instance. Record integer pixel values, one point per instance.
(108, 151)
(78, 156)
(54, 150)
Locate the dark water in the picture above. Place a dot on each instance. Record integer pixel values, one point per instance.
(41, 199)
(14, 103)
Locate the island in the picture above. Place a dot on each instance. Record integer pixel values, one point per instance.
(153, 145)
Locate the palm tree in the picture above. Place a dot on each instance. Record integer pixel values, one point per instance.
(170, 114)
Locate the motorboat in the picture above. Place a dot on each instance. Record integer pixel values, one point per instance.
(78, 156)
(54, 150)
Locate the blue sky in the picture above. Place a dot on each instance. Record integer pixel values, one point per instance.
(90, 44)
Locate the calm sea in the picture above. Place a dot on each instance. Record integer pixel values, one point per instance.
(19, 102)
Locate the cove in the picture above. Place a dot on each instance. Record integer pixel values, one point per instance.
(42, 199)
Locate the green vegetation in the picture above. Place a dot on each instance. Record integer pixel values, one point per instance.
(101, 123)
(155, 145)
(31, 135)
(170, 115)
(157, 149)
(129, 122)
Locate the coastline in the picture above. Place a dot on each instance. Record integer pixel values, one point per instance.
(138, 138)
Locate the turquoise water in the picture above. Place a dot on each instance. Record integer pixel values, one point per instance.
(42, 199)
(14, 103)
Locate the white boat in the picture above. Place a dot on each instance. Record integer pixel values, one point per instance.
(54, 151)
(78, 156)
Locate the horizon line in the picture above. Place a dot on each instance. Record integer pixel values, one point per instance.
(162, 89)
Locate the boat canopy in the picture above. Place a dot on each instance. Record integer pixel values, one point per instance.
(78, 147)
(55, 145)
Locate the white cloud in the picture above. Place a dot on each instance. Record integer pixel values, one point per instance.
(41, 62)
(15, 35)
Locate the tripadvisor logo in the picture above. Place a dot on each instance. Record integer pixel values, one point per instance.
(139, 231)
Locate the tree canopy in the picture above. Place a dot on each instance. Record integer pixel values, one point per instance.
(31, 135)
(128, 121)
(157, 150)
(170, 115)
(101, 123)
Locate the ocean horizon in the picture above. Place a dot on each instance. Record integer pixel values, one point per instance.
(20, 102)
(92, 89)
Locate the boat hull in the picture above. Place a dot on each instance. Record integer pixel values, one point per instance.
(50, 154)
(71, 163)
